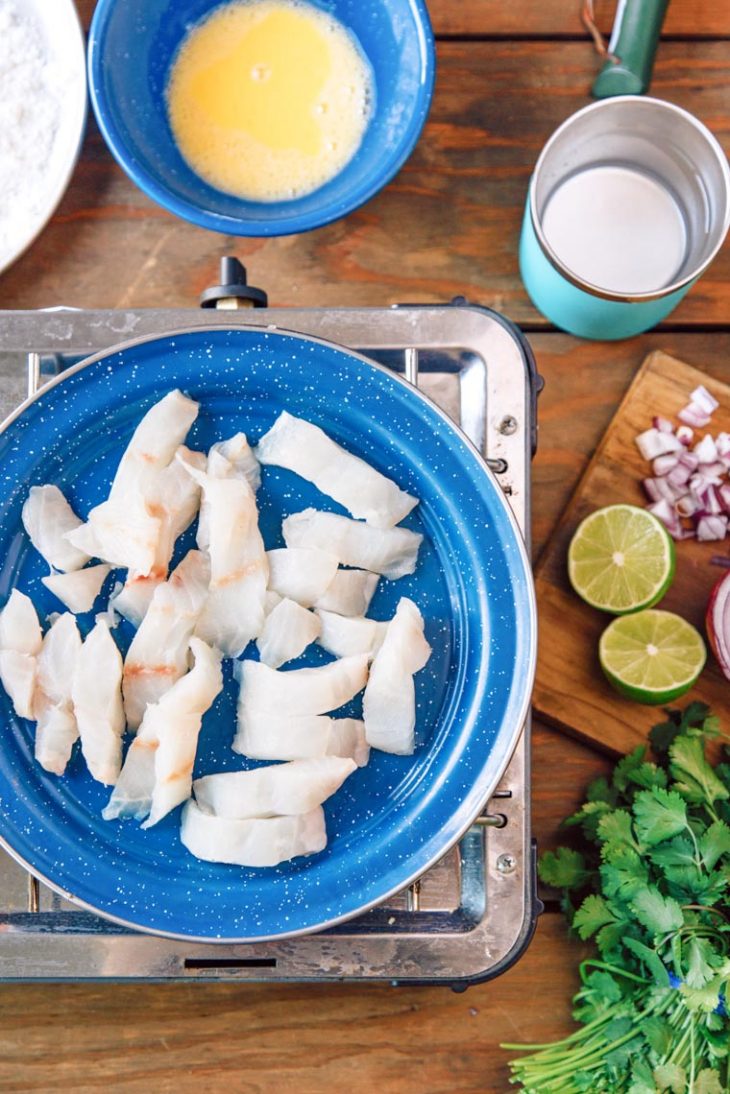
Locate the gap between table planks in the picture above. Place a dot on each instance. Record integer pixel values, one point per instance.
(570, 691)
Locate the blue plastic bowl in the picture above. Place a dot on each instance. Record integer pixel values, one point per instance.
(131, 46)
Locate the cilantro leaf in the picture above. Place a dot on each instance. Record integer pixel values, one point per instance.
(708, 1082)
(657, 913)
(702, 960)
(604, 986)
(623, 873)
(651, 960)
(674, 852)
(659, 815)
(610, 938)
(658, 1033)
(714, 843)
(649, 775)
(600, 791)
(671, 1077)
(694, 776)
(615, 827)
(624, 768)
(593, 913)
(563, 869)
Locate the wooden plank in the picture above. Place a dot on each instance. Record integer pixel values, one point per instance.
(695, 18)
(448, 224)
(266, 1039)
(580, 700)
(522, 18)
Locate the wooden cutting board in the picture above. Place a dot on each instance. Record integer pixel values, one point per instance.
(571, 691)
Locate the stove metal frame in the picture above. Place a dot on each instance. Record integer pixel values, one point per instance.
(472, 915)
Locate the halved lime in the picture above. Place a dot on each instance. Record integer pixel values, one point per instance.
(621, 559)
(651, 656)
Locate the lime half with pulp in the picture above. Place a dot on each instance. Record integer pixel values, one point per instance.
(652, 656)
(621, 559)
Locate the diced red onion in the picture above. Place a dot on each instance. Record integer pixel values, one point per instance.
(706, 449)
(678, 476)
(663, 425)
(688, 459)
(684, 434)
(722, 442)
(664, 512)
(723, 493)
(694, 415)
(711, 528)
(652, 443)
(662, 465)
(700, 482)
(721, 560)
(687, 505)
(712, 470)
(701, 396)
(651, 489)
(712, 506)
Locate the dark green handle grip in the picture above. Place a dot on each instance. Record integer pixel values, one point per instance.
(634, 41)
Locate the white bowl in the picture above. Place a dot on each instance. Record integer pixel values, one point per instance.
(63, 41)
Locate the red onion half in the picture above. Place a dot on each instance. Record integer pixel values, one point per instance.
(717, 622)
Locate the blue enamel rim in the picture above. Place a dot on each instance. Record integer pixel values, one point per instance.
(395, 818)
(285, 224)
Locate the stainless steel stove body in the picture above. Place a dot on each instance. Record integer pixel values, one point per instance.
(471, 916)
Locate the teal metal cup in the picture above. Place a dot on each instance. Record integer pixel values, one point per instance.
(669, 154)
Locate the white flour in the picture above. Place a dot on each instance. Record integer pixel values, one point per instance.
(29, 116)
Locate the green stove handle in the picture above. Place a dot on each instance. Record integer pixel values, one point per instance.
(634, 40)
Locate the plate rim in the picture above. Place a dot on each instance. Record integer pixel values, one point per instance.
(527, 681)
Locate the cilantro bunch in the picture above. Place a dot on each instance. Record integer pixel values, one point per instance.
(649, 881)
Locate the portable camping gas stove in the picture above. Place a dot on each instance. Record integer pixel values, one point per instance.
(469, 917)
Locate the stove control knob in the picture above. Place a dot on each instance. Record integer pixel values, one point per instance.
(234, 291)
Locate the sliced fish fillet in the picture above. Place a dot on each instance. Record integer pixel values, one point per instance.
(306, 449)
(280, 790)
(349, 592)
(347, 636)
(96, 691)
(389, 703)
(79, 589)
(255, 842)
(265, 736)
(47, 517)
(21, 640)
(301, 691)
(158, 654)
(301, 573)
(56, 731)
(391, 551)
(288, 630)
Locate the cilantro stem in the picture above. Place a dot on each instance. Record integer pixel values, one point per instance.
(596, 964)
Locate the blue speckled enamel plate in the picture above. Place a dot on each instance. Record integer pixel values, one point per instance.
(392, 819)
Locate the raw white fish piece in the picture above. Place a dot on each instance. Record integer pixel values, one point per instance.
(346, 636)
(280, 790)
(55, 735)
(78, 590)
(306, 449)
(122, 532)
(158, 768)
(158, 654)
(270, 601)
(96, 690)
(390, 551)
(56, 731)
(301, 573)
(18, 677)
(254, 842)
(233, 612)
(349, 593)
(21, 639)
(19, 626)
(389, 703)
(288, 630)
(174, 498)
(47, 517)
(154, 444)
(239, 454)
(264, 736)
(301, 691)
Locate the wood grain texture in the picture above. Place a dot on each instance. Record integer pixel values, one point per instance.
(695, 18)
(449, 223)
(266, 1039)
(580, 700)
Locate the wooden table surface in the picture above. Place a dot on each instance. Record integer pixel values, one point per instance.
(508, 74)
